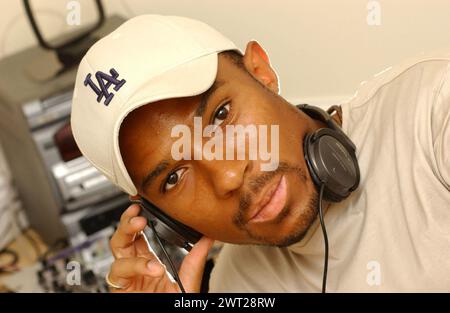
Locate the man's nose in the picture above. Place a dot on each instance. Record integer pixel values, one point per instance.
(225, 176)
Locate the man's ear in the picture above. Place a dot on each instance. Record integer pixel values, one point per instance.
(258, 65)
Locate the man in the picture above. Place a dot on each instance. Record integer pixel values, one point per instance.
(157, 72)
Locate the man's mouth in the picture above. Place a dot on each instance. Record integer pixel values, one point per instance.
(270, 202)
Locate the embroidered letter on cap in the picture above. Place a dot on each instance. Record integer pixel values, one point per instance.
(102, 90)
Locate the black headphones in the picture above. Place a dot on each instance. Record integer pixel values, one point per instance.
(331, 160)
(332, 163)
(330, 157)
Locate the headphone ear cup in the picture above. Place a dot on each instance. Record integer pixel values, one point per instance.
(307, 143)
(169, 229)
(331, 162)
(308, 148)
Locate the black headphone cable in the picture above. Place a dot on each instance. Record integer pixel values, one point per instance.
(174, 270)
(325, 239)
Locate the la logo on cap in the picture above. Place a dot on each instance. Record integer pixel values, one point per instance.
(105, 81)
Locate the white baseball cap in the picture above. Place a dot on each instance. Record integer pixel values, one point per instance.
(147, 59)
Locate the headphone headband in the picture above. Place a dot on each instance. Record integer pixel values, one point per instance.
(319, 114)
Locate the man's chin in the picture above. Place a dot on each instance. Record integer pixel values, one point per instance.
(298, 226)
(292, 239)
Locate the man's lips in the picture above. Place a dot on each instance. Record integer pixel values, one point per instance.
(271, 202)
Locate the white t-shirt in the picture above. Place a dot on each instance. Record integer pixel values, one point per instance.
(393, 232)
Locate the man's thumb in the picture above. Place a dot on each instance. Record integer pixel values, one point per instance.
(191, 270)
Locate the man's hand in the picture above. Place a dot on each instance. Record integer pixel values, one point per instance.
(137, 269)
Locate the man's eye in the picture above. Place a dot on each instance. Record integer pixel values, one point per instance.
(173, 179)
(221, 114)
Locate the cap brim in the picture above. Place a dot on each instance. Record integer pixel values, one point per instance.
(189, 79)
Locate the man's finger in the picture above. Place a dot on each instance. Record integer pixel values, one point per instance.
(124, 271)
(130, 224)
(191, 270)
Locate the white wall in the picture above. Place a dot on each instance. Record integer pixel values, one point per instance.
(320, 48)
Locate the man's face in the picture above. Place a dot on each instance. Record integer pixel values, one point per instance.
(220, 198)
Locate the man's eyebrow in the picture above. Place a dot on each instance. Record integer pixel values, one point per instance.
(151, 176)
(205, 97)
